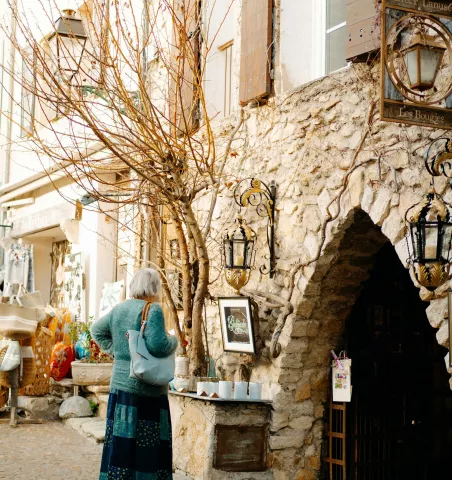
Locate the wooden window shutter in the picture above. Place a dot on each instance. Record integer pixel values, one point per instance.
(255, 62)
(184, 62)
(363, 28)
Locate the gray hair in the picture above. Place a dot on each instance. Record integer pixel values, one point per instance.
(145, 283)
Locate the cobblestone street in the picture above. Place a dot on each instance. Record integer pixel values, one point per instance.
(50, 451)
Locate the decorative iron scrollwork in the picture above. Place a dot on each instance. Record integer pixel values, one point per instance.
(439, 164)
(252, 192)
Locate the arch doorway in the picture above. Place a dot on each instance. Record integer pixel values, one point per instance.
(399, 423)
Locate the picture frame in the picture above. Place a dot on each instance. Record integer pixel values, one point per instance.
(449, 310)
(237, 324)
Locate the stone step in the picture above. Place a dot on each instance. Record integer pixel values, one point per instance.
(99, 395)
(91, 427)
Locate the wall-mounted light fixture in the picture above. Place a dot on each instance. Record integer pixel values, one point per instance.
(67, 43)
(252, 192)
(238, 254)
(422, 57)
(430, 236)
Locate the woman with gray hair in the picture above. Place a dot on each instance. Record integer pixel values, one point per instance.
(138, 436)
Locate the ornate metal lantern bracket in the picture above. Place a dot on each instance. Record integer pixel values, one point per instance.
(252, 192)
(439, 163)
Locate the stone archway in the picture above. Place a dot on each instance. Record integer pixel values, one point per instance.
(317, 326)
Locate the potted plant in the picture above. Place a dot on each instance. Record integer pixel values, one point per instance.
(94, 366)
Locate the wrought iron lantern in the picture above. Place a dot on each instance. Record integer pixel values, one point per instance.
(431, 237)
(67, 43)
(422, 58)
(239, 254)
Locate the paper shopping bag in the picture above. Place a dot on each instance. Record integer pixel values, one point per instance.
(342, 380)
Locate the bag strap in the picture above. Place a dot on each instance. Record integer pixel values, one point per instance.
(144, 316)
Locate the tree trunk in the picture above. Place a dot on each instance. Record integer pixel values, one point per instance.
(198, 361)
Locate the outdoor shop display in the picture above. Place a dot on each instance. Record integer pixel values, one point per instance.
(22, 315)
(19, 269)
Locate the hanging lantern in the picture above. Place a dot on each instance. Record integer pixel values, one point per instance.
(431, 237)
(67, 43)
(422, 58)
(238, 254)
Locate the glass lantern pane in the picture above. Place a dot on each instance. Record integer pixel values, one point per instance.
(412, 65)
(249, 254)
(71, 50)
(446, 242)
(418, 239)
(431, 242)
(430, 62)
(239, 253)
(228, 254)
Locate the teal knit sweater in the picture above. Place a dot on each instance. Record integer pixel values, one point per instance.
(110, 333)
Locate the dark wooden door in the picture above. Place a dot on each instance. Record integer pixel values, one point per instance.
(399, 423)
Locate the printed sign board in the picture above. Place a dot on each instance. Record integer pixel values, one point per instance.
(404, 97)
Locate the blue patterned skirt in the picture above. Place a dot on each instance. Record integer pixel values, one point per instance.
(138, 438)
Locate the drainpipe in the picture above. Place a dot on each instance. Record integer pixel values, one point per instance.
(9, 132)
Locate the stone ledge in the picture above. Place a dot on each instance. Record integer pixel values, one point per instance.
(220, 400)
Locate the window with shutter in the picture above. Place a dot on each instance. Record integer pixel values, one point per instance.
(256, 51)
(363, 28)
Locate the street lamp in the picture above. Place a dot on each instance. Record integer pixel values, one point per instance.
(422, 58)
(431, 238)
(67, 43)
(238, 254)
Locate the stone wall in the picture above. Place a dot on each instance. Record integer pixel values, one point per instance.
(328, 151)
(193, 424)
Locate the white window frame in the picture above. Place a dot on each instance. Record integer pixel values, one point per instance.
(321, 33)
(27, 101)
(227, 50)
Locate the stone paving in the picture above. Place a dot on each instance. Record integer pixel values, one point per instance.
(51, 451)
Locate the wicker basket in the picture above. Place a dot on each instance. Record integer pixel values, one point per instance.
(43, 350)
(3, 396)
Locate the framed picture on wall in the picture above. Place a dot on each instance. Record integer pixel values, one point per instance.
(449, 299)
(236, 324)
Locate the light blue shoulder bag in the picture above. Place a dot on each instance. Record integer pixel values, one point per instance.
(143, 366)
